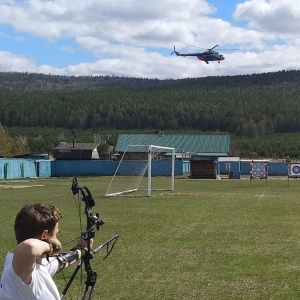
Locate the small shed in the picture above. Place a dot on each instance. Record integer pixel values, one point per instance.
(203, 169)
(76, 151)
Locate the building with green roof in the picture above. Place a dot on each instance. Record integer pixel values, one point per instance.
(186, 145)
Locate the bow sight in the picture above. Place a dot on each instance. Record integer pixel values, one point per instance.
(93, 221)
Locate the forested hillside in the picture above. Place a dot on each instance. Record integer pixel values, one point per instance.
(253, 109)
(33, 82)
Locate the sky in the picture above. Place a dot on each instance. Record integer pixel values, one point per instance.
(135, 38)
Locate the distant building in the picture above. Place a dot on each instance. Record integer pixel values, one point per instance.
(202, 151)
(76, 151)
(187, 146)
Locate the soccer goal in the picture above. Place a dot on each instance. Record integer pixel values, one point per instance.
(142, 169)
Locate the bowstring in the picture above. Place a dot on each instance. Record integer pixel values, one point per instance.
(78, 204)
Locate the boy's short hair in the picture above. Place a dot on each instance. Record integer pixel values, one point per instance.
(33, 219)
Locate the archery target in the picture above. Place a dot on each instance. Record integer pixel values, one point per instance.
(262, 173)
(259, 170)
(294, 170)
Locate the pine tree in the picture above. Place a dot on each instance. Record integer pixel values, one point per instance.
(6, 142)
(12, 146)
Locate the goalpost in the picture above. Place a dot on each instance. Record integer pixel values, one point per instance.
(142, 169)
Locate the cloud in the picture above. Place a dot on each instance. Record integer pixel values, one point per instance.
(110, 19)
(125, 37)
(280, 17)
(11, 62)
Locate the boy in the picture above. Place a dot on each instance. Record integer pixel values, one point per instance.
(28, 271)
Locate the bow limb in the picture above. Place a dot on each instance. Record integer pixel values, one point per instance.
(93, 222)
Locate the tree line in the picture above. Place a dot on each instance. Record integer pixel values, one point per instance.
(253, 109)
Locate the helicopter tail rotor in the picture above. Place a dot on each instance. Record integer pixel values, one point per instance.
(173, 51)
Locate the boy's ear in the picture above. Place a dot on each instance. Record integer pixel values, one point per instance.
(44, 234)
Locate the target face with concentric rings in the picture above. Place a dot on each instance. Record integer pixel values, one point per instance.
(294, 170)
(259, 170)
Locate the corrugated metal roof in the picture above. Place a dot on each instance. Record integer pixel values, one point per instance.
(205, 144)
(78, 146)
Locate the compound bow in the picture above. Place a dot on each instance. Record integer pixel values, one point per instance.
(93, 222)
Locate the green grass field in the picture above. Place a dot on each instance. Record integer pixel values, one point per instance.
(210, 239)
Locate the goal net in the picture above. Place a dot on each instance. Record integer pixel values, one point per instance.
(142, 169)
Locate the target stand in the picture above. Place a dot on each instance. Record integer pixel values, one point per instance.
(293, 171)
(258, 171)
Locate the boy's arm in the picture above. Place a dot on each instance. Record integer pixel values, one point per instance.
(26, 255)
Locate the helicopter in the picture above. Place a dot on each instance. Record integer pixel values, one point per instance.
(207, 56)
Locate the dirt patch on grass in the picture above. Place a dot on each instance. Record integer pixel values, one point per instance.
(182, 194)
(6, 186)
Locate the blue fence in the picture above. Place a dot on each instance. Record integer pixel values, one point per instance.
(82, 167)
(17, 168)
(43, 168)
(106, 168)
(24, 168)
(243, 168)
